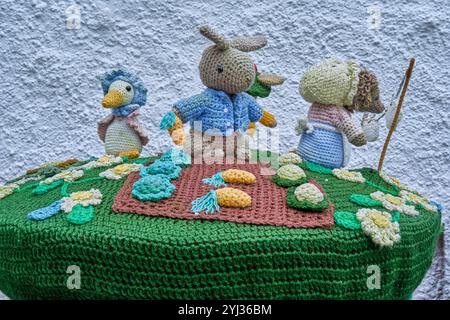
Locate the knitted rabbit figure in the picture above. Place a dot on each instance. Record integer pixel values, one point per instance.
(335, 88)
(223, 111)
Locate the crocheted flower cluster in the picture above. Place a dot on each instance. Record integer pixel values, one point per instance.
(9, 188)
(67, 175)
(348, 175)
(379, 227)
(153, 188)
(291, 172)
(289, 158)
(120, 171)
(393, 203)
(154, 183)
(83, 198)
(308, 192)
(103, 161)
(396, 182)
(159, 167)
(177, 157)
(418, 200)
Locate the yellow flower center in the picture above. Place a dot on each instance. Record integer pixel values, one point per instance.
(379, 220)
(82, 195)
(121, 169)
(394, 200)
(103, 159)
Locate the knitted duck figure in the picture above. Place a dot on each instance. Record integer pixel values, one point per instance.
(120, 131)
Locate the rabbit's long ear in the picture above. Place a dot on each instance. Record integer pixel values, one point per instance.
(271, 79)
(215, 37)
(247, 44)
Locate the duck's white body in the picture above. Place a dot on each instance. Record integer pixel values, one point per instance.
(120, 137)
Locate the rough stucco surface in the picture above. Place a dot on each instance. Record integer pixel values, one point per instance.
(50, 93)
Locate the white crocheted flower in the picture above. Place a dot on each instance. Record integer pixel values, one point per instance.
(416, 199)
(7, 190)
(352, 176)
(120, 171)
(379, 227)
(67, 175)
(84, 198)
(396, 182)
(103, 161)
(289, 158)
(309, 193)
(291, 172)
(393, 203)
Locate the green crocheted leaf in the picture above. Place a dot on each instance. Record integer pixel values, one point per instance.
(394, 191)
(258, 89)
(316, 168)
(365, 201)
(293, 202)
(374, 180)
(347, 220)
(395, 216)
(287, 182)
(44, 188)
(80, 214)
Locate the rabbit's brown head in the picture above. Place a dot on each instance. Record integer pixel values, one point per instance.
(225, 66)
(367, 97)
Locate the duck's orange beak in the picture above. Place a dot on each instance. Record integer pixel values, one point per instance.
(113, 99)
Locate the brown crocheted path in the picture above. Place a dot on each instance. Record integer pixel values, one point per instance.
(268, 200)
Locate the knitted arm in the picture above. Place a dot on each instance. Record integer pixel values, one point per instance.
(256, 113)
(354, 133)
(185, 110)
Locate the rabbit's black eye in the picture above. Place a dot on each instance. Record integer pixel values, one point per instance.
(128, 88)
(220, 69)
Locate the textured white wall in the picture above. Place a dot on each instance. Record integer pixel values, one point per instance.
(51, 97)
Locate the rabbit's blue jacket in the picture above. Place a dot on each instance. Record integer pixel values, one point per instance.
(217, 113)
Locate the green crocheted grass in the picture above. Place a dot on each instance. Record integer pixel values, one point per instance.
(140, 257)
(293, 202)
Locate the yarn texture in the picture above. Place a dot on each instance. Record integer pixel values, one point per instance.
(189, 257)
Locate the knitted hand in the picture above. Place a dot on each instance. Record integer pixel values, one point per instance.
(359, 140)
(173, 124)
(251, 128)
(268, 120)
(303, 125)
(371, 129)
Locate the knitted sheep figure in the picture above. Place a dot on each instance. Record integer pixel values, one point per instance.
(222, 113)
(120, 131)
(335, 88)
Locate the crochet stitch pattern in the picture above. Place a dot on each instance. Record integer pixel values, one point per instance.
(133, 256)
(189, 187)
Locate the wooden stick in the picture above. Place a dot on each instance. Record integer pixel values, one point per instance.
(397, 113)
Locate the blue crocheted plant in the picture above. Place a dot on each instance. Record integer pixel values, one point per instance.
(152, 188)
(166, 168)
(177, 157)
